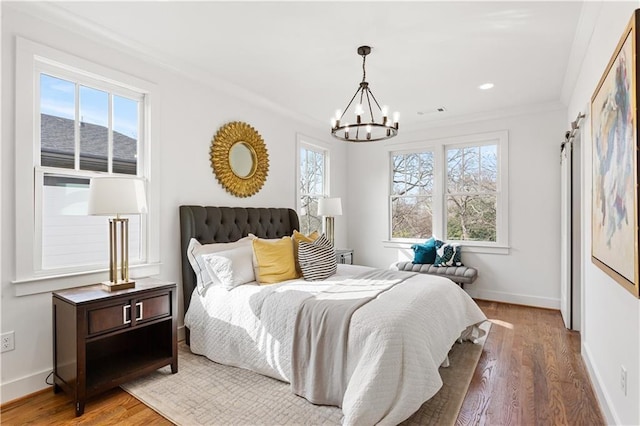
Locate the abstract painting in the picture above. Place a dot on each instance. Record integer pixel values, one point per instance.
(614, 218)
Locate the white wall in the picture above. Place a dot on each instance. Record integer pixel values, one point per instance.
(611, 324)
(529, 273)
(190, 113)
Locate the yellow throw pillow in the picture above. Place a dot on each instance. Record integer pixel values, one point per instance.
(297, 237)
(273, 260)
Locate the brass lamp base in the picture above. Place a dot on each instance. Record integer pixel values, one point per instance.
(120, 285)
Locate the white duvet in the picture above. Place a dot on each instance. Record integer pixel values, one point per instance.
(396, 342)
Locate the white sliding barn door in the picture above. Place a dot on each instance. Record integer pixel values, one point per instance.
(566, 255)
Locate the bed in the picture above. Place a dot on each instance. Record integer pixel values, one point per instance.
(396, 342)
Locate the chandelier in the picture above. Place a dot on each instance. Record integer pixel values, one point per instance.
(363, 126)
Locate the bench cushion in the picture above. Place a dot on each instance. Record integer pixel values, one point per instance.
(457, 274)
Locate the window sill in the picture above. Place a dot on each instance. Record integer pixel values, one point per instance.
(46, 284)
(468, 247)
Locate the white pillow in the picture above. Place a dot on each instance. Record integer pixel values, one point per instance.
(230, 268)
(195, 250)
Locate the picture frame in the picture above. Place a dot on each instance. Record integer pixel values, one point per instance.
(615, 194)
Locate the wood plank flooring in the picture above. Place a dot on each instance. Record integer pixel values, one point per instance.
(530, 373)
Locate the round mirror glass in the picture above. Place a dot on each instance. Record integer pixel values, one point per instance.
(242, 159)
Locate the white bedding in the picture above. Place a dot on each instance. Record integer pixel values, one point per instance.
(396, 342)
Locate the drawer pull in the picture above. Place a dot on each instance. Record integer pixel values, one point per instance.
(126, 319)
(139, 311)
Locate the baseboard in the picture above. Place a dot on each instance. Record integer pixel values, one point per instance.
(518, 299)
(26, 385)
(601, 393)
(181, 333)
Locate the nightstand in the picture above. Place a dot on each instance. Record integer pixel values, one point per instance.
(102, 339)
(344, 256)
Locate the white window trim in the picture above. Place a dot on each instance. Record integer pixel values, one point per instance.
(438, 146)
(303, 141)
(31, 58)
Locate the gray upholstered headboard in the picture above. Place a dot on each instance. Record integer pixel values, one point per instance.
(227, 224)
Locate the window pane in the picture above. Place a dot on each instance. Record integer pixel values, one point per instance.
(94, 121)
(57, 111)
(312, 187)
(463, 169)
(309, 219)
(69, 236)
(472, 169)
(471, 217)
(411, 217)
(316, 173)
(125, 135)
(412, 174)
(489, 168)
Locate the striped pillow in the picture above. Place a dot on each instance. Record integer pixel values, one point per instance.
(317, 259)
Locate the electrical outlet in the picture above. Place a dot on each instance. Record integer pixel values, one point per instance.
(623, 380)
(7, 342)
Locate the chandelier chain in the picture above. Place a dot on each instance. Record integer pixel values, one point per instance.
(364, 70)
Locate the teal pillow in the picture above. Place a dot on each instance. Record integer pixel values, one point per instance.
(425, 252)
(447, 254)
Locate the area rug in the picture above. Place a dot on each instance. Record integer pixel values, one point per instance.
(206, 393)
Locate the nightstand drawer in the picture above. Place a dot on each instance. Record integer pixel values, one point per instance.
(153, 307)
(109, 318)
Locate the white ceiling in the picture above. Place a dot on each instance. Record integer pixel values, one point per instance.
(302, 55)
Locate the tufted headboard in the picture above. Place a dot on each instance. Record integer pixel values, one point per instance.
(225, 225)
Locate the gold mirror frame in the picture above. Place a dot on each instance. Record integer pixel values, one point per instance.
(221, 144)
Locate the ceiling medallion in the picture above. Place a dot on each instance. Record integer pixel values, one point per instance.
(359, 129)
(239, 159)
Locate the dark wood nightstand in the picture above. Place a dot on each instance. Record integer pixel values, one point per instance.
(103, 339)
(344, 256)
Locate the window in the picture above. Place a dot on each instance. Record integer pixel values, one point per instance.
(412, 195)
(77, 120)
(454, 189)
(312, 167)
(472, 180)
(83, 129)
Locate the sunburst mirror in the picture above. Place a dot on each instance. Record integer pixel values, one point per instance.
(239, 159)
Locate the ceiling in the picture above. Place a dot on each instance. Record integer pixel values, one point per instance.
(301, 56)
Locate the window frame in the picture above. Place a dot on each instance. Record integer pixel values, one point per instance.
(32, 59)
(439, 147)
(311, 144)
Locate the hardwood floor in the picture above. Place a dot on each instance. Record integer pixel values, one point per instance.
(530, 373)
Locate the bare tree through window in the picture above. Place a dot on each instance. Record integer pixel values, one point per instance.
(411, 195)
(312, 188)
(471, 195)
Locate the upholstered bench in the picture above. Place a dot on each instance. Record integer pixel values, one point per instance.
(460, 275)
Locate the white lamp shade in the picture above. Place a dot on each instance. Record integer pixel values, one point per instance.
(116, 196)
(330, 207)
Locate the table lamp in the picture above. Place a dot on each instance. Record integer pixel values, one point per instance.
(110, 196)
(329, 208)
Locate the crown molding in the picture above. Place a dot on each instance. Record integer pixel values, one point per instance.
(56, 15)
